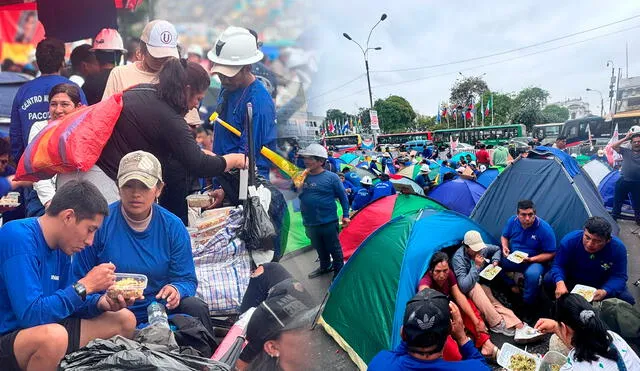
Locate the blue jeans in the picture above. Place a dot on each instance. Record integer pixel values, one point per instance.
(532, 277)
(324, 238)
(624, 189)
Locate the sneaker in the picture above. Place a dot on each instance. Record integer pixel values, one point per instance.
(527, 334)
(319, 272)
(501, 328)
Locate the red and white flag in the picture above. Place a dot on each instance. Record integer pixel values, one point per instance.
(612, 155)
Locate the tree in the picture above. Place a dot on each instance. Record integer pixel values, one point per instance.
(467, 90)
(528, 107)
(395, 114)
(502, 108)
(555, 113)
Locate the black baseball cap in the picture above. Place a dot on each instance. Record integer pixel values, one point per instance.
(288, 307)
(427, 319)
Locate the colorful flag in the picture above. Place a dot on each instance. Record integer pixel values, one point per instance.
(489, 108)
(590, 137)
(332, 128)
(438, 118)
(345, 127)
(612, 155)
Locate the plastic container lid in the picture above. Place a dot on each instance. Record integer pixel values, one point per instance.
(508, 350)
(198, 200)
(134, 286)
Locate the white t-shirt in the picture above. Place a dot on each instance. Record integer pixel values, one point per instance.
(629, 357)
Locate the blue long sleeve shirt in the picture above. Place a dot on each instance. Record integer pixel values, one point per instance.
(317, 199)
(5, 186)
(162, 253)
(264, 124)
(31, 104)
(606, 269)
(384, 188)
(362, 197)
(399, 359)
(353, 177)
(35, 280)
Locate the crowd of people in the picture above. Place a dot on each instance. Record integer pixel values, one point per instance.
(128, 213)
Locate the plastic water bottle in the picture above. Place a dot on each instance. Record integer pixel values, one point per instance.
(157, 314)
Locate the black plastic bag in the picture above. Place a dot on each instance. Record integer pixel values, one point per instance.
(119, 353)
(258, 230)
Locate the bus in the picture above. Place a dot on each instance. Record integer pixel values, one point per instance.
(489, 135)
(547, 133)
(393, 141)
(625, 120)
(577, 130)
(349, 142)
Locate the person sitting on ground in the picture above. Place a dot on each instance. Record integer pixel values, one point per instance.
(351, 176)
(44, 314)
(560, 143)
(363, 194)
(140, 236)
(592, 346)
(318, 196)
(278, 333)
(429, 318)
(468, 261)
(530, 234)
(423, 180)
(383, 188)
(591, 257)
(440, 277)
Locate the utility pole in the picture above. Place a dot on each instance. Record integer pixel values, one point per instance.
(611, 84)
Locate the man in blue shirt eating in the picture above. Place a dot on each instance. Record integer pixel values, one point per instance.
(591, 257)
(318, 197)
(43, 314)
(527, 233)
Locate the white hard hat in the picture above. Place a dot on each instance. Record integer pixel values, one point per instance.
(195, 49)
(483, 168)
(574, 155)
(108, 39)
(635, 129)
(236, 47)
(366, 180)
(600, 152)
(425, 169)
(315, 150)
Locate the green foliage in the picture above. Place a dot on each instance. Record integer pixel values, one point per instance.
(466, 90)
(528, 107)
(555, 113)
(395, 114)
(502, 108)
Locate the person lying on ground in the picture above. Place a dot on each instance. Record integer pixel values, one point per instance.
(44, 314)
(468, 261)
(440, 277)
(140, 236)
(278, 333)
(592, 346)
(527, 233)
(429, 318)
(591, 257)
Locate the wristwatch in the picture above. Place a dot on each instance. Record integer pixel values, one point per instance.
(80, 290)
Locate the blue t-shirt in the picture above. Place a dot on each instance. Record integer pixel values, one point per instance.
(422, 180)
(264, 124)
(362, 197)
(35, 280)
(606, 269)
(162, 253)
(318, 199)
(383, 188)
(400, 360)
(31, 104)
(352, 177)
(537, 239)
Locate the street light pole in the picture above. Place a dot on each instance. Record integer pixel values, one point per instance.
(611, 84)
(601, 100)
(365, 54)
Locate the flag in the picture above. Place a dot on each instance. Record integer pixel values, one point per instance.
(444, 110)
(489, 108)
(438, 118)
(345, 127)
(332, 128)
(612, 155)
(453, 144)
(590, 138)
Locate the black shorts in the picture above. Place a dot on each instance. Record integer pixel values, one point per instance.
(7, 357)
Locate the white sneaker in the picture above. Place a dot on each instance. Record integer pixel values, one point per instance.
(501, 328)
(527, 334)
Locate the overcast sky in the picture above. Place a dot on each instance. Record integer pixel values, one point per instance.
(423, 33)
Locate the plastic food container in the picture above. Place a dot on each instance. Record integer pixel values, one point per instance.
(490, 272)
(586, 292)
(552, 361)
(507, 351)
(198, 200)
(128, 285)
(517, 256)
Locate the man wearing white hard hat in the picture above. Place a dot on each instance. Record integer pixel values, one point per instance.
(318, 196)
(108, 49)
(233, 54)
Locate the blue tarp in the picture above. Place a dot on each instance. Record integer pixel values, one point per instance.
(564, 202)
(488, 176)
(459, 194)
